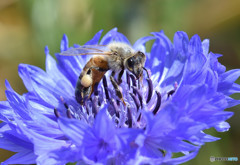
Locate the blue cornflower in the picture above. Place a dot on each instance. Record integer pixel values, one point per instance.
(184, 92)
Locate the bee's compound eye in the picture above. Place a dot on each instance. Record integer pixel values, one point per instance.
(130, 62)
(86, 80)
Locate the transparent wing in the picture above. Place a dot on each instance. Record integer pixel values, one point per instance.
(87, 50)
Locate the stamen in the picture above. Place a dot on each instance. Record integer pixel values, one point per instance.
(158, 103)
(118, 102)
(57, 114)
(150, 90)
(105, 87)
(139, 84)
(150, 86)
(115, 107)
(170, 93)
(134, 83)
(94, 106)
(87, 110)
(135, 90)
(69, 115)
(128, 80)
(175, 85)
(129, 117)
(64, 103)
(96, 89)
(147, 72)
(135, 100)
(139, 117)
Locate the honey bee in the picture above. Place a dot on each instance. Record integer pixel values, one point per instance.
(115, 57)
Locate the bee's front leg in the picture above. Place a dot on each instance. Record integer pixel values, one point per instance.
(116, 87)
(120, 76)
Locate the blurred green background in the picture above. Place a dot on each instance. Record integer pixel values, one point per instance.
(26, 26)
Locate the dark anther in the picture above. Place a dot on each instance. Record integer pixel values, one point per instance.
(129, 117)
(150, 90)
(170, 93)
(87, 110)
(69, 115)
(135, 90)
(134, 83)
(128, 79)
(94, 106)
(96, 89)
(158, 103)
(105, 87)
(139, 117)
(56, 113)
(115, 106)
(118, 102)
(147, 72)
(139, 84)
(150, 86)
(135, 100)
(64, 103)
(99, 102)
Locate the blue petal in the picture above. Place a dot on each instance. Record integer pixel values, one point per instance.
(73, 129)
(232, 102)
(26, 157)
(17, 102)
(140, 43)
(59, 157)
(114, 35)
(156, 62)
(195, 46)
(41, 122)
(181, 43)
(227, 79)
(71, 66)
(64, 43)
(10, 143)
(42, 144)
(182, 159)
(222, 126)
(103, 126)
(164, 40)
(54, 72)
(6, 111)
(18, 139)
(205, 46)
(95, 39)
(43, 85)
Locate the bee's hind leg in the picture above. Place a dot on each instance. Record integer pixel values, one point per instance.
(116, 87)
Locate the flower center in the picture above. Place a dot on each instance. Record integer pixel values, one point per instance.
(137, 97)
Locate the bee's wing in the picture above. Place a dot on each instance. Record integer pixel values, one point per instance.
(87, 50)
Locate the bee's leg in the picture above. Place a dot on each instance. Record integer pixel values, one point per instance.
(116, 87)
(120, 76)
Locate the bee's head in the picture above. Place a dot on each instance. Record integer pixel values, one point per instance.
(136, 63)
